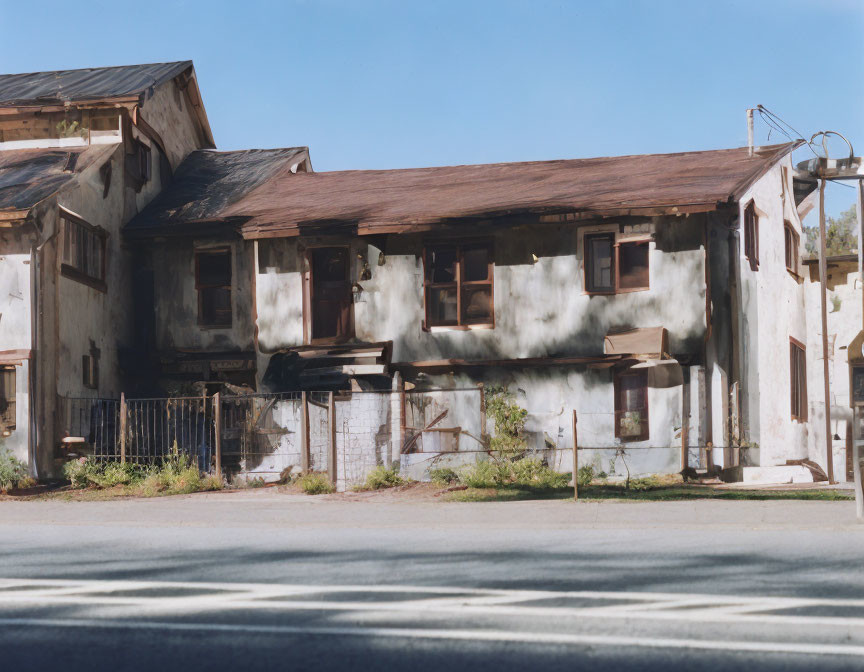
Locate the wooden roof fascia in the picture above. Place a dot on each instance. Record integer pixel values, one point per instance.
(760, 171)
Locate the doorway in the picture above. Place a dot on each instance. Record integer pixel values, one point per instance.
(330, 294)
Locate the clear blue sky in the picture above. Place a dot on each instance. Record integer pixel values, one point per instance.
(391, 84)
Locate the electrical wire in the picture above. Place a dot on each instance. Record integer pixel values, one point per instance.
(763, 111)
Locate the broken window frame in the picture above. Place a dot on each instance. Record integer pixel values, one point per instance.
(791, 242)
(617, 242)
(798, 380)
(459, 284)
(8, 390)
(77, 236)
(751, 235)
(620, 411)
(205, 321)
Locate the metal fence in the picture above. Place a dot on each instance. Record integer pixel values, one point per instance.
(161, 428)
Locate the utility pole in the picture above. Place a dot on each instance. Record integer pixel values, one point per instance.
(823, 281)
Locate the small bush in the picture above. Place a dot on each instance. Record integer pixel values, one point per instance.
(315, 484)
(485, 474)
(81, 472)
(185, 480)
(13, 473)
(444, 476)
(383, 477)
(212, 482)
(258, 482)
(642, 484)
(585, 475)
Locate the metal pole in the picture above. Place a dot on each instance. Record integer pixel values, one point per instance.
(750, 132)
(122, 428)
(823, 282)
(217, 421)
(331, 454)
(575, 459)
(305, 449)
(856, 452)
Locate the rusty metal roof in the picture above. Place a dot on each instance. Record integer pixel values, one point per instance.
(61, 86)
(393, 201)
(207, 183)
(28, 176)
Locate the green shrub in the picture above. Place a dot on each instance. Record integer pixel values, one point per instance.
(257, 482)
(12, 470)
(82, 473)
(484, 474)
(648, 483)
(585, 475)
(185, 480)
(212, 482)
(315, 483)
(383, 477)
(443, 476)
(509, 419)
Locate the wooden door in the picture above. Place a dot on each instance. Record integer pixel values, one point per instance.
(332, 314)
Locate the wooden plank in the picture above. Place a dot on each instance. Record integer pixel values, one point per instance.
(331, 453)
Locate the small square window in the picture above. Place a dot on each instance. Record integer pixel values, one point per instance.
(459, 285)
(633, 265)
(631, 406)
(600, 263)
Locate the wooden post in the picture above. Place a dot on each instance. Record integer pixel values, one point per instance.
(305, 448)
(331, 453)
(823, 284)
(122, 428)
(575, 459)
(482, 389)
(403, 421)
(217, 422)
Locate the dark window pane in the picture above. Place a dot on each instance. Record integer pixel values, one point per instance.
(442, 306)
(633, 265)
(476, 263)
(632, 393)
(214, 269)
(477, 305)
(599, 250)
(215, 306)
(442, 264)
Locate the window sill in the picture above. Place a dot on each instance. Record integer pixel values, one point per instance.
(464, 327)
(74, 274)
(614, 292)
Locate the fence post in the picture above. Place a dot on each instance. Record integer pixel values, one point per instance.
(331, 453)
(305, 448)
(575, 459)
(122, 428)
(217, 435)
(482, 390)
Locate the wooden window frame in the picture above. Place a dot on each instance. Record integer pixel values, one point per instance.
(751, 235)
(90, 371)
(8, 426)
(791, 245)
(308, 296)
(202, 323)
(619, 406)
(459, 284)
(617, 242)
(73, 272)
(798, 380)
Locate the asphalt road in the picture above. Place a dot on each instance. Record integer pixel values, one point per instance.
(257, 580)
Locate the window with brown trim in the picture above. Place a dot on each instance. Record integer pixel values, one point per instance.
(459, 285)
(751, 235)
(213, 282)
(631, 405)
(7, 400)
(791, 240)
(83, 253)
(798, 379)
(612, 267)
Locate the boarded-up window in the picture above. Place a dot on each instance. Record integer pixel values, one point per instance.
(599, 263)
(633, 265)
(798, 379)
(213, 282)
(751, 235)
(791, 241)
(7, 400)
(459, 285)
(631, 406)
(83, 254)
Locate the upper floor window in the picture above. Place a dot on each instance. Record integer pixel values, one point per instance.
(631, 405)
(751, 235)
(83, 253)
(459, 285)
(791, 239)
(798, 379)
(213, 282)
(615, 267)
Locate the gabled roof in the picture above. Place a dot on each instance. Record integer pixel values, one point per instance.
(29, 176)
(393, 201)
(88, 84)
(207, 183)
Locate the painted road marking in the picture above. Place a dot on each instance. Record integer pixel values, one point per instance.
(503, 636)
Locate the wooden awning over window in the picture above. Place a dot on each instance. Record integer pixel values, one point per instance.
(13, 357)
(649, 342)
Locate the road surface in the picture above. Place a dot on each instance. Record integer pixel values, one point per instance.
(258, 580)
